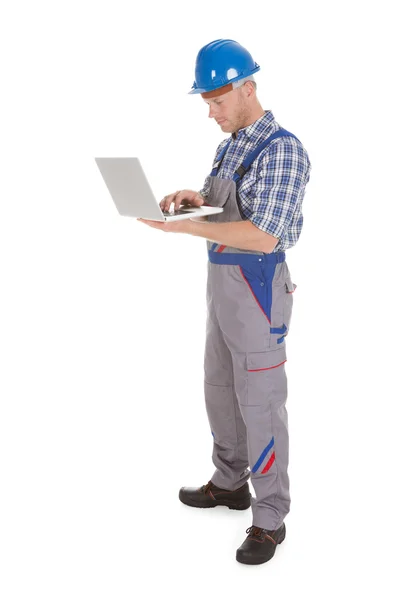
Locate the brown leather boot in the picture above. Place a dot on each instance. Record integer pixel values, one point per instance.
(209, 495)
(260, 545)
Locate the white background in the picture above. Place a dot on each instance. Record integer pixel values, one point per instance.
(102, 407)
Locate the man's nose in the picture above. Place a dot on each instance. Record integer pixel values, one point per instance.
(211, 112)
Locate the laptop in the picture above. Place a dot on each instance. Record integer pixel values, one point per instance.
(133, 196)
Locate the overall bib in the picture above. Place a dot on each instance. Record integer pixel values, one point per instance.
(249, 307)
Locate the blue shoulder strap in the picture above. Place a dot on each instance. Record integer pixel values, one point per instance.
(219, 159)
(246, 164)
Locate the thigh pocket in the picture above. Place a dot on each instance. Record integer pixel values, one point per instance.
(264, 377)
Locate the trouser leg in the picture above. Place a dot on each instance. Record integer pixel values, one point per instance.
(227, 426)
(261, 386)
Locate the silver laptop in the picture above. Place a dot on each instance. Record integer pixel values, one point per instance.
(133, 196)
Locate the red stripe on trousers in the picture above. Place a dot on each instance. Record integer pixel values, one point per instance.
(266, 368)
(269, 463)
(221, 248)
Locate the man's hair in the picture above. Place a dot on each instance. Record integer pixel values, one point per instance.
(252, 80)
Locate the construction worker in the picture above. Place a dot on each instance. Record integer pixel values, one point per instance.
(258, 177)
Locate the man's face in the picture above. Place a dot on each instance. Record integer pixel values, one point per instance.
(229, 110)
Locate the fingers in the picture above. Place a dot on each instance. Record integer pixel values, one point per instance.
(184, 197)
(167, 201)
(177, 198)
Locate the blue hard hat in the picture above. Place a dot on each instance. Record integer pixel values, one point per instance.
(219, 63)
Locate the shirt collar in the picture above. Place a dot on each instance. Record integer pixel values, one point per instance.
(257, 129)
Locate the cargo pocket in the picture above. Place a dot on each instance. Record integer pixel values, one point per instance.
(264, 372)
(282, 311)
(288, 306)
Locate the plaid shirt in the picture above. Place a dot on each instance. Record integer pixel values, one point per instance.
(270, 194)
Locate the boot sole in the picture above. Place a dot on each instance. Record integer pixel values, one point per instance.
(241, 506)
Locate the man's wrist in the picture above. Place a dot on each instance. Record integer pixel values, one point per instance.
(199, 219)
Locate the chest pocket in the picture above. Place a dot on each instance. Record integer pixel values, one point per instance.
(223, 195)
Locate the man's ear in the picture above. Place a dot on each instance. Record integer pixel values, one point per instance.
(250, 90)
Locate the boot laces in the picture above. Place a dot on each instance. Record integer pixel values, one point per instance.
(256, 531)
(205, 488)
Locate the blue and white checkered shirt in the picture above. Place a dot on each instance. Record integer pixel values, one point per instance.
(271, 192)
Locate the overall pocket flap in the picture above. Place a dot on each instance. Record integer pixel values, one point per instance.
(290, 286)
(262, 361)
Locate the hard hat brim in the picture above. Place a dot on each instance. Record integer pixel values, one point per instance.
(211, 88)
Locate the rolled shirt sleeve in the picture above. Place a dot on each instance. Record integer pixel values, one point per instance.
(282, 175)
(206, 187)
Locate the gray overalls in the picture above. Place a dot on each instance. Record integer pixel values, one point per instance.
(249, 302)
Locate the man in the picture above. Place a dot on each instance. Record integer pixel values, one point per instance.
(259, 176)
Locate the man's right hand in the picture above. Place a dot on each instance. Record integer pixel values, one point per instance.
(182, 197)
